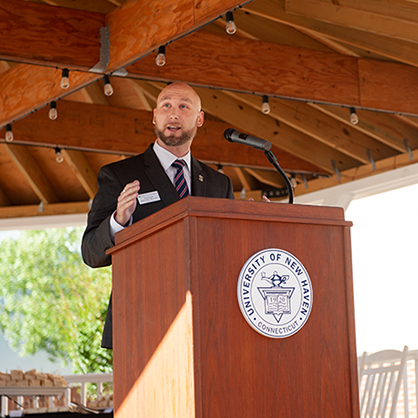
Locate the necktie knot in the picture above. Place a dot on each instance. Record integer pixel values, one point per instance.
(179, 164)
(179, 180)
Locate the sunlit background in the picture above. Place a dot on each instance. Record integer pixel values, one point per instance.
(385, 266)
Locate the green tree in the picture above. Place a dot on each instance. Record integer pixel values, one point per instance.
(51, 301)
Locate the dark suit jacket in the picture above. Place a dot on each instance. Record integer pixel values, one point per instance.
(147, 169)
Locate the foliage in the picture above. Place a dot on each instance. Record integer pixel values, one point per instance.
(51, 301)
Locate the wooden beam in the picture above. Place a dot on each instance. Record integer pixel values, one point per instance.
(271, 178)
(247, 181)
(388, 84)
(99, 128)
(83, 171)
(397, 9)
(405, 28)
(251, 121)
(98, 6)
(33, 173)
(403, 51)
(387, 129)
(138, 27)
(281, 71)
(26, 88)
(48, 210)
(69, 38)
(4, 199)
(358, 173)
(206, 59)
(36, 33)
(327, 130)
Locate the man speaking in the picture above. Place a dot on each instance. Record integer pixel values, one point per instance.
(134, 188)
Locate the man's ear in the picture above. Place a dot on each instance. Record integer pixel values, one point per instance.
(153, 117)
(200, 119)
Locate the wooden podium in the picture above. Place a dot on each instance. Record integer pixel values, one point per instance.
(182, 347)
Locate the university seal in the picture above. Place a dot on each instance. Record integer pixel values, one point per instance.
(275, 293)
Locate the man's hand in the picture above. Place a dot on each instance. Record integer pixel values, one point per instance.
(127, 203)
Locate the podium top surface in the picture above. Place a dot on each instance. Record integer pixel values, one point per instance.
(203, 207)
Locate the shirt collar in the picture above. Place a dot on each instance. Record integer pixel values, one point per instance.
(166, 158)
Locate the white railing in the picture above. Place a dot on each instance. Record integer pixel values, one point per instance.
(54, 392)
(84, 379)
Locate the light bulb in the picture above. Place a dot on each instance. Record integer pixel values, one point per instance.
(353, 116)
(265, 107)
(65, 79)
(231, 27)
(53, 114)
(293, 182)
(108, 89)
(160, 60)
(9, 133)
(58, 156)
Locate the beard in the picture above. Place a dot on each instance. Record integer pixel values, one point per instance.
(175, 141)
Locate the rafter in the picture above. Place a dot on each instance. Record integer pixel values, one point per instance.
(387, 129)
(247, 181)
(4, 199)
(403, 51)
(324, 129)
(405, 27)
(251, 121)
(83, 171)
(26, 88)
(99, 128)
(48, 210)
(33, 173)
(271, 178)
(358, 173)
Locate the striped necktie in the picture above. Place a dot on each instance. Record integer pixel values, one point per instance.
(179, 180)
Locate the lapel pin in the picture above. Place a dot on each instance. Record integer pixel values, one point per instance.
(200, 177)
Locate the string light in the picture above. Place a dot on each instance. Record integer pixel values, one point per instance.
(65, 78)
(58, 156)
(293, 181)
(53, 113)
(9, 133)
(108, 89)
(160, 60)
(353, 116)
(231, 27)
(265, 107)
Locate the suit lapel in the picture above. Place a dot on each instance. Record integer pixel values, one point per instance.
(159, 178)
(198, 179)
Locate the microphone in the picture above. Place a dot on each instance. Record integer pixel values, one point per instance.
(232, 135)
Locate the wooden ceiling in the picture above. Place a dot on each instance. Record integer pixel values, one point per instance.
(314, 59)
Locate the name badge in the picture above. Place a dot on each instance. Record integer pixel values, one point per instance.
(150, 197)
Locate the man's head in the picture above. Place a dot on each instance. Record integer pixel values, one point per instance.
(177, 116)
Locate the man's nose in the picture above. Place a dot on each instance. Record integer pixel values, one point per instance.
(173, 115)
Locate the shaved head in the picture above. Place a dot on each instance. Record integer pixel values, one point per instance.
(178, 86)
